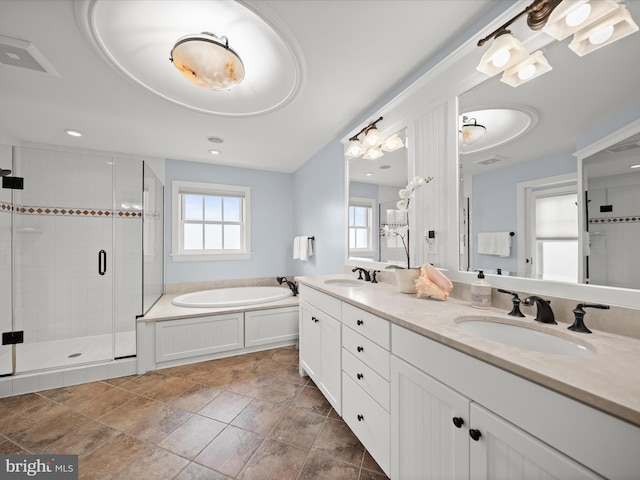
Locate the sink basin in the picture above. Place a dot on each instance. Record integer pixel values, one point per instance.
(339, 282)
(496, 329)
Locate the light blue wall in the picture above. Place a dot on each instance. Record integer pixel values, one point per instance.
(494, 206)
(319, 210)
(271, 222)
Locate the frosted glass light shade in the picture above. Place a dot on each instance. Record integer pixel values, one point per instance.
(207, 61)
(373, 153)
(504, 52)
(355, 149)
(572, 15)
(392, 143)
(614, 26)
(471, 132)
(373, 138)
(532, 67)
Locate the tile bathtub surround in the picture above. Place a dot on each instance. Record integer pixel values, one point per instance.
(245, 417)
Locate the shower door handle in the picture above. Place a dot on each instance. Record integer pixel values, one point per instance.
(102, 262)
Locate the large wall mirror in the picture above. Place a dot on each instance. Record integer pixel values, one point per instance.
(373, 194)
(529, 205)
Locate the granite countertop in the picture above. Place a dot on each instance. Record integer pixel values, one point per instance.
(608, 380)
(163, 309)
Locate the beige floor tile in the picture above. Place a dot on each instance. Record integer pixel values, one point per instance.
(225, 407)
(192, 436)
(230, 451)
(298, 427)
(158, 464)
(274, 461)
(260, 417)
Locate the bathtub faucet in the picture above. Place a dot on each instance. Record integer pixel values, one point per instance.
(292, 286)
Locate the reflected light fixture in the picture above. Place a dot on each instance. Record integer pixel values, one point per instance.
(207, 61)
(374, 144)
(593, 23)
(471, 132)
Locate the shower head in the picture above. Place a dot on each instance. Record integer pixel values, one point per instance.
(4, 172)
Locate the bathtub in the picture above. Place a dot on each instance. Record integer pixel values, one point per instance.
(231, 297)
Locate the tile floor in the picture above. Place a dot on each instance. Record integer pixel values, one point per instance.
(245, 417)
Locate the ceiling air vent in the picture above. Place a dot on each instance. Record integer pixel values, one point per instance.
(623, 147)
(490, 160)
(19, 53)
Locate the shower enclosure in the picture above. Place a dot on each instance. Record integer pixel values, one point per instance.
(72, 259)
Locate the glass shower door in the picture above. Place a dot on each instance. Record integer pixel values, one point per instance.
(6, 213)
(63, 279)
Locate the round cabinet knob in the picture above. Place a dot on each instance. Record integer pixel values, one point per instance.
(360, 376)
(360, 418)
(458, 422)
(360, 349)
(360, 322)
(475, 434)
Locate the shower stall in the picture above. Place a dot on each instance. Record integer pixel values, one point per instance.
(80, 256)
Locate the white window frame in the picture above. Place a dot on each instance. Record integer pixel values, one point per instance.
(178, 253)
(370, 204)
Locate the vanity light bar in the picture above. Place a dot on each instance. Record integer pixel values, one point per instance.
(618, 24)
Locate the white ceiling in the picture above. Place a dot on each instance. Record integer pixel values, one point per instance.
(352, 53)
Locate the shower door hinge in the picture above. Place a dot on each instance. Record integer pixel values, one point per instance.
(11, 338)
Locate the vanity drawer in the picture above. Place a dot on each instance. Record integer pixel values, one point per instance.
(324, 302)
(368, 420)
(367, 324)
(372, 383)
(369, 353)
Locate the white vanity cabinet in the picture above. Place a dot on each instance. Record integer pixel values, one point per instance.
(365, 380)
(453, 416)
(320, 343)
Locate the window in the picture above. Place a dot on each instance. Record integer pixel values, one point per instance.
(360, 225)
(210, 221)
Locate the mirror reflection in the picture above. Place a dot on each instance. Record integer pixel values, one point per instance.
(373, 194)
(520, 176)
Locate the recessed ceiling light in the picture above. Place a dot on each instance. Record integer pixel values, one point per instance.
(368, 174)
(384, 167)
(215, 139)
(214, 152)
(73, 133)
(635, 166)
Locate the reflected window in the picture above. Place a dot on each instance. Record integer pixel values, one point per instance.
(360, 226)
(556, 237)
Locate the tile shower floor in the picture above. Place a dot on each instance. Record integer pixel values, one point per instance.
(244, 417)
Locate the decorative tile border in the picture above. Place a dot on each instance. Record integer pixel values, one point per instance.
(632, 219)
(65, 212)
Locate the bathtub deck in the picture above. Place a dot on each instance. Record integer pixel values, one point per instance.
(165, 310)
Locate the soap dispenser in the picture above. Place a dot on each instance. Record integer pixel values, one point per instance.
(481, 292)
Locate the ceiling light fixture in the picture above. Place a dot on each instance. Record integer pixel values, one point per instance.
(635, 166)
(73, 133)
(471, 132)
(207, 61)
(593, 23)
(374, 144)
(215, 139)
(214, 152)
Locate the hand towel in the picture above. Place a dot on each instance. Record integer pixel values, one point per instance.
(494, 243)
(302, 247)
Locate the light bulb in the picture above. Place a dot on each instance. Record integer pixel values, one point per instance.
(579, 15)
(527, 72)
(602, 35)
(501, 58)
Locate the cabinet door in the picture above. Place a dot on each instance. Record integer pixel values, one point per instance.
(425, 442)
(505, 452)
(309, 343)
(330, 361)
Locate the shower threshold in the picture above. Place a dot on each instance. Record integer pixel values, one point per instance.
(69, 352)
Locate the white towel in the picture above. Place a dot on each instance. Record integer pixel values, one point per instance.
(494, 243)
(302, 248)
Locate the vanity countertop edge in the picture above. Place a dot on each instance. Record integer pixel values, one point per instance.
(607, 380)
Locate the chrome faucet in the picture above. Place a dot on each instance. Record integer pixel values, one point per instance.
(292, 286)
(544, 313)
(578, 324)
(367, 275)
